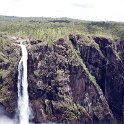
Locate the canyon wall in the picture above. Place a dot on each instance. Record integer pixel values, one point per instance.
(80, 80)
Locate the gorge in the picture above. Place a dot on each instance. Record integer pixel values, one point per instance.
(79, 80)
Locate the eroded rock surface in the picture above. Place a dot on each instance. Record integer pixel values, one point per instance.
(80, 82)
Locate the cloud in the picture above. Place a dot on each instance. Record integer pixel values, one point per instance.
(81, 9)
(83, 5)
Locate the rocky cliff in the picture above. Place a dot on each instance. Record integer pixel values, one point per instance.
(80, 80)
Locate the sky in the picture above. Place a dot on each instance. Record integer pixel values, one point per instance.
(95, 10)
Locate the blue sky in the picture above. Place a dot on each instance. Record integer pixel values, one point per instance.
(98, 10)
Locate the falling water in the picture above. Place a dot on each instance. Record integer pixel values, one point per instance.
(23, 98)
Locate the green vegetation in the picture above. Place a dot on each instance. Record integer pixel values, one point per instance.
(4, 73)
(50, 29)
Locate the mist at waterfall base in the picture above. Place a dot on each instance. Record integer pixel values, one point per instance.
(4, 119)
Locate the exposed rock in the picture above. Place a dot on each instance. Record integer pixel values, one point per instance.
(60, 41)
(73, 40)
(33, 42)
(105, 63)
(1, 79)
(57, 76)
(8, 78)
(67, 85)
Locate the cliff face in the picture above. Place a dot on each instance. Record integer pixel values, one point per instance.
(106, 64)
(9, 58)
(80, 80)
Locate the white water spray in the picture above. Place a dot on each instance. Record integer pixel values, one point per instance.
(23, 98)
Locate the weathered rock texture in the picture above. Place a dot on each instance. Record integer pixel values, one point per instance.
(79, 81)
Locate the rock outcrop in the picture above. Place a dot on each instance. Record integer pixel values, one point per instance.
(78, 82)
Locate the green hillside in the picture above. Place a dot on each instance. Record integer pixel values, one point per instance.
(50, 29)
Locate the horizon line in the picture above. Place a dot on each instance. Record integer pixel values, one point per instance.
(61, 17)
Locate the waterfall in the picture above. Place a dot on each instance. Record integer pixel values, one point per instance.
(23, 98)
